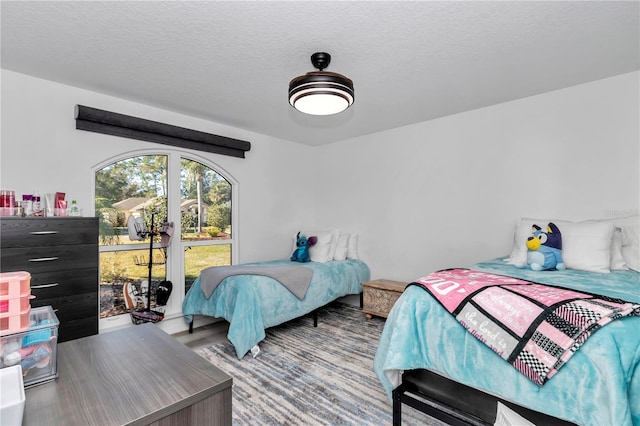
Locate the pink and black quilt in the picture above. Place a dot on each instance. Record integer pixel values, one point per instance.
(535, 327)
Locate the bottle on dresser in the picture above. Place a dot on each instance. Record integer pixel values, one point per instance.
(37, 205)
(7, 203)
(27, 205)
(74, 210)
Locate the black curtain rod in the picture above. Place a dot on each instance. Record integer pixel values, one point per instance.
(111, 123)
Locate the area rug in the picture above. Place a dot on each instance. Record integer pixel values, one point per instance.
(312, 376)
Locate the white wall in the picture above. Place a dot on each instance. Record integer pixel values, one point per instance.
(446, 193)
(41, 150)
(437, 194)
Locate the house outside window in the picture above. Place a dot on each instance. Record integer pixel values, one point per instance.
(190, 202)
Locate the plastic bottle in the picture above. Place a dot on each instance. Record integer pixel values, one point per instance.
(36, 205)
(4, 202)
(12, 201)
(74, 210)
(27, 205)
(7, 203)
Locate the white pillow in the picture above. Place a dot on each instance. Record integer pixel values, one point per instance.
(352, 251)
(343, 247)
(630, 240)
(631, 246)
(335, 238)
(617, 259)
(321, 251)
(585, 245)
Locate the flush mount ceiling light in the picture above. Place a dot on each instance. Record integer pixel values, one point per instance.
(321, 92)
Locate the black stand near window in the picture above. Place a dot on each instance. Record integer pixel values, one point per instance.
(147, 314)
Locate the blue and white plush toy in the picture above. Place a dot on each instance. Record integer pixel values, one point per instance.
(301, 253)
(545, 249)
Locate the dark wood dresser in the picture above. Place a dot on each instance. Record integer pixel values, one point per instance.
(61, 254)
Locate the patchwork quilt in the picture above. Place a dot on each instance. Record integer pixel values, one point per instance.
(535, 327)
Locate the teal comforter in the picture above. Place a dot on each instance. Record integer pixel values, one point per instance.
(600, 385)
(252, 303)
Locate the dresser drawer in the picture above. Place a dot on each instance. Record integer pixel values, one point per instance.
(38, 232)
(70, 307)
(78, 314)
(78, 328)
(48, 259)
(59, 283)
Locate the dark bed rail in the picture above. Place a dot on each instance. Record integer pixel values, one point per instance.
(455, 403)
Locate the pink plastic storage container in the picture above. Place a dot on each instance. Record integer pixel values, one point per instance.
(14, 323)
(15, 296)
(15, 284)
(15, 306)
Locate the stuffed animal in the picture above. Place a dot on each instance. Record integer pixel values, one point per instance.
(545, 249)
(301, 253)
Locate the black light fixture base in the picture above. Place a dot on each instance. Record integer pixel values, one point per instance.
(321, 60)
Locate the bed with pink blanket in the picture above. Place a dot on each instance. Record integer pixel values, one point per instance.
(551, 346)
(467, 339)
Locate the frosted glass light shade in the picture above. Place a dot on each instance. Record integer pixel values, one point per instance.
(321, 93)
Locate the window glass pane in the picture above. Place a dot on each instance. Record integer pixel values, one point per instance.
(130, 188)
(197, 258)
(123, 278)
(133, 188)
(206, 203)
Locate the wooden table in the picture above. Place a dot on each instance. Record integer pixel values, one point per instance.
(379, 296)
(135, 376)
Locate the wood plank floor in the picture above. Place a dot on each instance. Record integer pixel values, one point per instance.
(203, 336)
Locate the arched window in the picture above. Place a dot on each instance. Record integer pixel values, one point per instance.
(191, 203)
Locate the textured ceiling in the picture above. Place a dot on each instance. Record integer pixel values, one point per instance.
(231, 62)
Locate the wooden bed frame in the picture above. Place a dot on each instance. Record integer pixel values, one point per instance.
(455, 403)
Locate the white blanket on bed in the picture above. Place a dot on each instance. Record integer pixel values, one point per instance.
(295, 278)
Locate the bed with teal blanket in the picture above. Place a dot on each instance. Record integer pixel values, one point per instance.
(253, 302)
(598, 385)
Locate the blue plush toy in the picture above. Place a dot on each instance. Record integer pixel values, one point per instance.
(301, 253)
(545, 249)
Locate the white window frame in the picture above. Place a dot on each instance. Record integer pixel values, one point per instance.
(173, 320)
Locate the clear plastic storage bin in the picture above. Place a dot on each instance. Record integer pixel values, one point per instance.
(35, 349)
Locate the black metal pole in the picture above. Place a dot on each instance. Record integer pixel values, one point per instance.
(151, 234)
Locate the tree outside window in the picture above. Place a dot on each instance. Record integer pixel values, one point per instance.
(138, 187)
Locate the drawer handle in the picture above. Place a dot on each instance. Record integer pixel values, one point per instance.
(45, 285)
(43, 232)
(43, 259)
